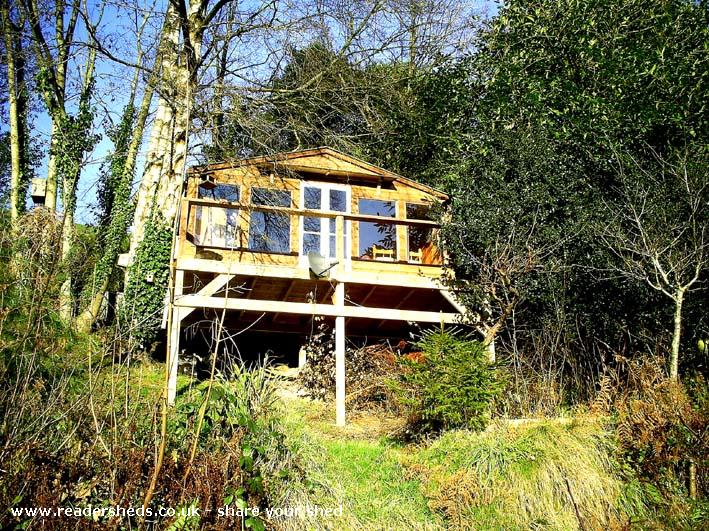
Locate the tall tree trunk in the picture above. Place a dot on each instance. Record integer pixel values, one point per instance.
(122, 208)
(159, 143)
(50, 197)
(75, 140)
(162, 180)
(53, 59)
(676, 334)
(15, 80)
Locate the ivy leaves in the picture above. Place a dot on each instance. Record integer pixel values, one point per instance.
(148, 276)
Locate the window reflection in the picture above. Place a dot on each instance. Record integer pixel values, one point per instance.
(216, 226)
(270, 231)
(421, 245)
(377, 240)
(313, 197)
(220, 192)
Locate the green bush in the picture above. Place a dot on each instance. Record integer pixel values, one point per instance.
(451, 385)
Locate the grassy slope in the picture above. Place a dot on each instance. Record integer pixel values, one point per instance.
(505, 478)
(543, 476)
(358, 469)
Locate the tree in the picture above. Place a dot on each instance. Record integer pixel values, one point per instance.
(661, 229)
(343, 87)
(20, 169)
(71, 137)
(115, 193)
(52, 60)
(552, 93)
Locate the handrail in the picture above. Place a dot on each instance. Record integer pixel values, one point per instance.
(307, 212)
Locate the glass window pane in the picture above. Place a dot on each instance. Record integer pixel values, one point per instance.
(269, 232)
(312, 197)
(419, 237)
(418, 211)
(333, 247)
(375, 207)
(422, 246)
(220, 191)
(232, 228)
(266, 196)
(338, 200)
(311, 242)
(333, 225)
(311, 224)
(379, 235)
(218, 227)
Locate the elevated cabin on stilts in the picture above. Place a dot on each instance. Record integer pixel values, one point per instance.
(276, 241)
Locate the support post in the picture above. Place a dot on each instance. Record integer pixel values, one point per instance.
(174, 354)
(340, 356)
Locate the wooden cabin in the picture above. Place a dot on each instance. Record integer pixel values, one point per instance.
(276, 241)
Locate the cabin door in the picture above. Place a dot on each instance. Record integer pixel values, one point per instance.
(317, 233)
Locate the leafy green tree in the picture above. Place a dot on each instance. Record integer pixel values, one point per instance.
(319, 98)
(560, 88)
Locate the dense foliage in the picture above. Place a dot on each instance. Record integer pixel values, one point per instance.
(147, 284)
(564, 107)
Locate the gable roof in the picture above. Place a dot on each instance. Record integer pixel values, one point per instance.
(325, 161)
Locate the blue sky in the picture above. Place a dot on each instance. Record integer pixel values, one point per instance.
(117, 28)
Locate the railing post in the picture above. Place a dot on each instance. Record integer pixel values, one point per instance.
(340, 241)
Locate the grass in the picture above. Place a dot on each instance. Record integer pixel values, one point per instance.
(548, 475)
(359, 469)
(538, 476)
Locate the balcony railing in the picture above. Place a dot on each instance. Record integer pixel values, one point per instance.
(209, 223)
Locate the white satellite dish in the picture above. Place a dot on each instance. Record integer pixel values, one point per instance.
(319, 265)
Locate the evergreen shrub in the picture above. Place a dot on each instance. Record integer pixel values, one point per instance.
(451, 385)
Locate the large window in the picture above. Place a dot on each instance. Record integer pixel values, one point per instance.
(377, 240)
(270, 231)
(217, 226)
(421, 240)
(320, 233)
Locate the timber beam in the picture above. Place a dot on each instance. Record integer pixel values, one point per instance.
(305, 308)
(303, 273)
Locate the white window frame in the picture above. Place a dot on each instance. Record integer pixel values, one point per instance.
(324, 222)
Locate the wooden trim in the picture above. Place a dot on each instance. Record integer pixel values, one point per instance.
(284, 298)
(453, 300)
(340, 355)
(302, 273)
(304, 308)
(307, 212)
(209, 289)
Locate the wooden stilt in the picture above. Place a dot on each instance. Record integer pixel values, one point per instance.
(340, 357)
(174, 354)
